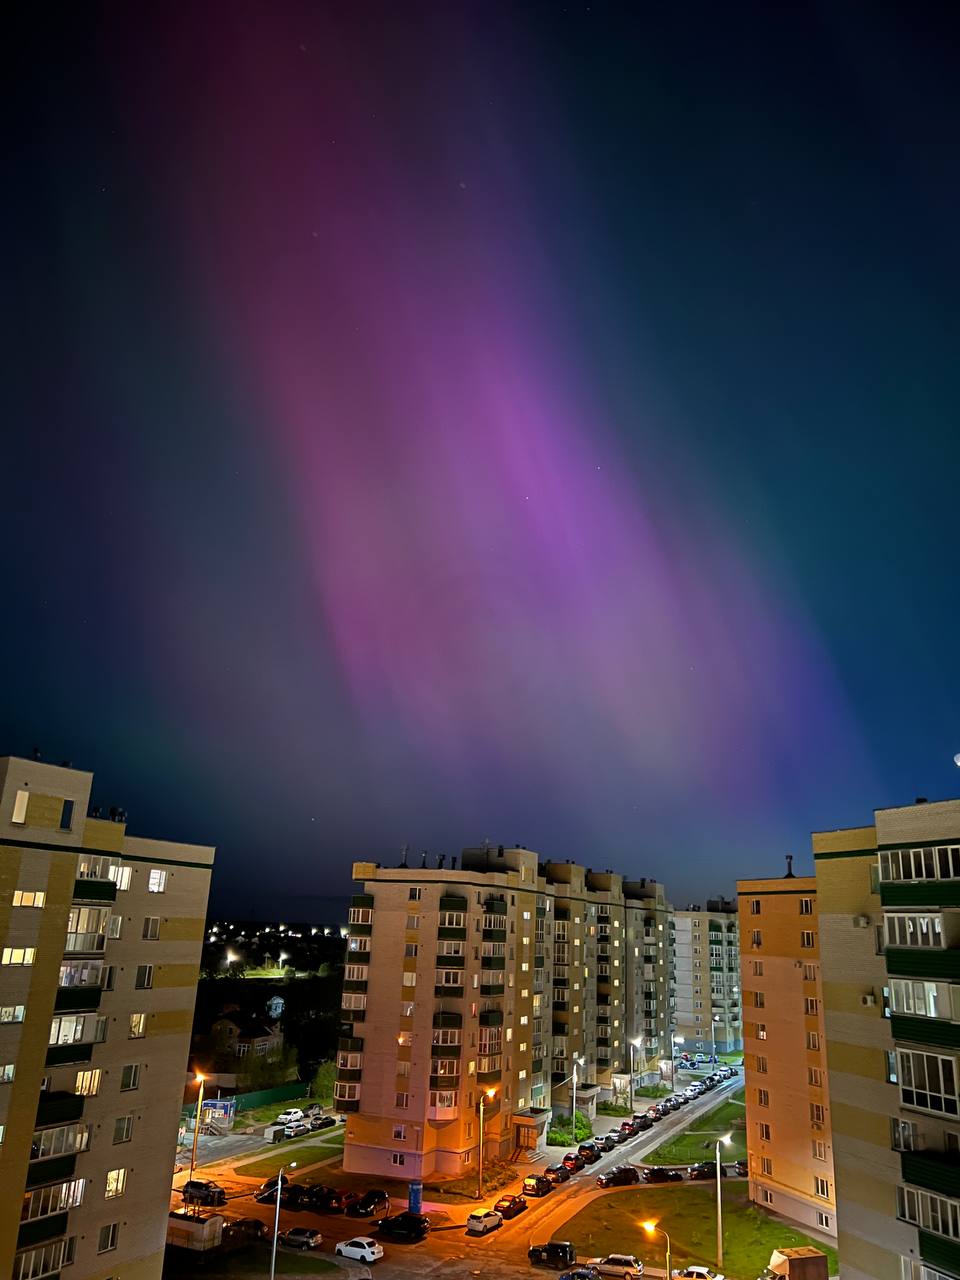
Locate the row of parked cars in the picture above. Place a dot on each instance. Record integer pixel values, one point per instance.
(297, 1122)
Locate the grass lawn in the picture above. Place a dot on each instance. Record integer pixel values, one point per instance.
(699, 1141)
(265, 1166)
(252, 1261)
(611, 1224)
(269, 1113)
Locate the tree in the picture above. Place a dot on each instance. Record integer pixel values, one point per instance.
(321, 1087)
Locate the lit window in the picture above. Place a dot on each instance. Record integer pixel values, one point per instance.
(156, 881)
(7, 1071)
(116, 1183)
(120, 876)
(11, 1013)
(28, 898)
(88, 1083)
(138, 1026)
(18, 955)
(20, 808)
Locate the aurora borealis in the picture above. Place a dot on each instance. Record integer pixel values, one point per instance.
(443, 422)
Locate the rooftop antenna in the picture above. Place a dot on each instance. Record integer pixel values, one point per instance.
(403, 855)
(789, 875)
(423, 861)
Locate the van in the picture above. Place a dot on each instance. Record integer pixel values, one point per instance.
(535, 1184)
(555, 1253)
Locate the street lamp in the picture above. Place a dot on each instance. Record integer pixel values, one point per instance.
(674, 1041)
(484, 1095)
(725, 1139)
(196, 1124)
(283, 957)
(276, 1217)
(713, 1037)
(651, 1229)
(634, 1044)
(577, 1062)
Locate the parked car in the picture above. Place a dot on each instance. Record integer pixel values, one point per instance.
(293, 1196)
(574, 1161)
(288, 1116)
(682, 1099)
(557, 1173)
(482, 1221)
(295, 1130)
(269, 1188)
(407, 1227)
(246, 1229)
(698, 1273)
(658, 1173)
(337, 1200)
(704, 1170)
(314, 1197)
(361, 1249)
(741, 1169)
(555, 1253)
(301, 1238)
(370, 1204)
(630, 1128)
(642, 1123)
(605, 1142)
(581, 1273)
(314, 1109)
(700, 1057)
(618, 1264)
(196, 1191)
(510, 1206)
(322, 1122)
(623, 1175)
(537, 1184)
(617, 1136)
(590, 1152)
(670, 1104)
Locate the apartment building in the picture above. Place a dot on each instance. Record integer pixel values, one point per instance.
(100, 936)
(785, 1053)
(491, 980)
(889, 895)
(706, 979)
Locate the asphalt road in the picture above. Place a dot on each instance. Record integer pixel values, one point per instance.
(502, 1252)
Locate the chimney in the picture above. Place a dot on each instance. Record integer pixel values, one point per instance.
(789, 875)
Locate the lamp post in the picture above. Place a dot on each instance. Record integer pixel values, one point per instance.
(276, 1217)
(577, 1062)
(634, 1044)
(196, 1124)
(713, 1037)
(674, 1041)
(651, 1228)
(725, 1139)
(484, 1095)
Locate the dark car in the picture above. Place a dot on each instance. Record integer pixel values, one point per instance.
(301, 1238)
(315, 1196)
(581, 1273)
(245, 1229)
(642, 1123)
(406, 1227)
(624, 1175)
(537, 1184)
(605, 1142)
(322, 1122)
(704, 1171)
(268, 1190)
(510, 1206)
(741, 1169)
(657, 1173)
(557, 1173)
(590, 1152)
(198, 1192)
(293, 1196)
(336, 1200)
(370, 1203)
(574, 1161)
(555, 1253)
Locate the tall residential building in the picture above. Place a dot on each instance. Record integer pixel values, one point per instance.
(101, 935)
(706, 981)
(785, 1052)
(890, 948)
(491, 980)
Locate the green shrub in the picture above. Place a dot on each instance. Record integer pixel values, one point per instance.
(559, 1135)
(612, 1109)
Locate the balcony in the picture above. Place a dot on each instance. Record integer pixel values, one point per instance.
(448, 993)
(98, 891)
(443, 1019)
(931, 1031)
(939, 1252)
(59, 1108)
(491, 988)
(77, 999)
(936, 1171)
(40, 1230)
(923, 962)
(56, 1169)
(491, 1017)
(442, 1113)
(920, 893)
(489, 1077)
(60, 1054)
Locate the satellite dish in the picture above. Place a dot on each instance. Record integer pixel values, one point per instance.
(956, 759)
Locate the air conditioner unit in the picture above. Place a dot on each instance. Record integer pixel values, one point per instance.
(869, 1000)
(861, 922)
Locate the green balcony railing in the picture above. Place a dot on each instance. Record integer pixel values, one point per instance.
(940, 1252)
(57, 1169)
(932, 1031)
(40, 1230)
(923, 962)
(934, 1170)
(921, 893)
(95, 891)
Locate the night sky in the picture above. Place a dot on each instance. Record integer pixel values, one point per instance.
(436, 422)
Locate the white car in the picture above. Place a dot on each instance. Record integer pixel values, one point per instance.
(296, 1130)
(617, 1264)
(288, 1116)
(697, 1273)
(361, 1249)
(484, 1220)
